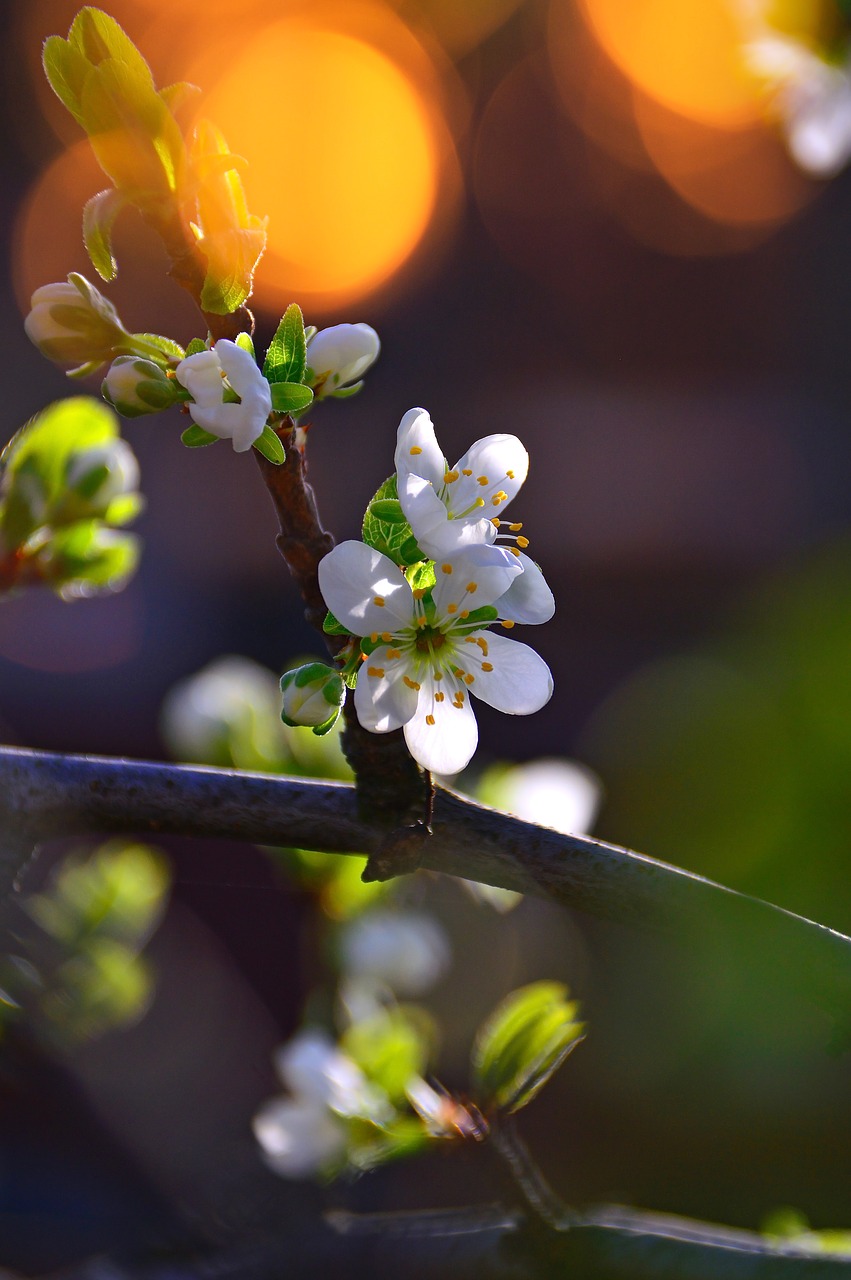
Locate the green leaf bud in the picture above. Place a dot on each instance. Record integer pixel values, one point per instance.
(135, 387)
(313, 695)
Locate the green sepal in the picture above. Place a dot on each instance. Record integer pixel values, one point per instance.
(85, 370)
(522, 1044)
(321, 729)
(290, 397)
(196, 346)
(99, 216)
(270, 446)
(166, 350)
(345, 392)
(196, 437)
(285, 359)
(393, 537)
(245, 341)
(332, 627)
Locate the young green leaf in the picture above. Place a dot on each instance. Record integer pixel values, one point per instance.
(285, 358)
(196, 345)
(521, 1045)
(245, 341)
(99, 215)
(270, 446)
(384, 530)
(196, 437)
(290, 397)
(332, 627)
(391, 1047)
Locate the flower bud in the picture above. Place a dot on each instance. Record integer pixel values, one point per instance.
(313, 696)
(407, 951)
(339, 356)
(72, 323)
(95, 477)
(134, 387)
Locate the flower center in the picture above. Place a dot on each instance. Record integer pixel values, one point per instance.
(430, 639)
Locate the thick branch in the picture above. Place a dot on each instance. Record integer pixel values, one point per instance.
(43, 795)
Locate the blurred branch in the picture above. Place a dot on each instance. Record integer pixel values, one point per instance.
(44, 795)
(492, 1243)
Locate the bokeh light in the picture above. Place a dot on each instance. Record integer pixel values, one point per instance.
(684, 53)
(348, 153)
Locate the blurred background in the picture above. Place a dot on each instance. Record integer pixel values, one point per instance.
(575, 220)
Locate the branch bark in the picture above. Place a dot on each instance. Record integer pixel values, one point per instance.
(44, 795)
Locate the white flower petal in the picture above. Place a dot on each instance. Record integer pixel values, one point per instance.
(528, 599)
(447, 745)
(299, 1137)
(342, 353)
(490, 571)
(555, 793)
(384, 702)
(201, 375)
(353, 577)
(417, 450)
(500, 459)
(520, 681)
(436, 534)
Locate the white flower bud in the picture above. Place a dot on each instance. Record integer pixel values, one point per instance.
(96, 476)
(203, 377)
(339, 356)
(312, 696)
(405, 950)
(299, 1137)
(74, 324)
(135, 386)
(233, 700)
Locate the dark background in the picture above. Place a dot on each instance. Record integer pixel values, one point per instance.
(682, 386)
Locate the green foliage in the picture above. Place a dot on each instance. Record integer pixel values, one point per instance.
(285, 359)
(99, 216)
(195, 437)
(270, 446)
(522, 1044)
(196, 345)
(332, 627)
(290, 397)
(391, 1047)
(392, 536)
(58, 531)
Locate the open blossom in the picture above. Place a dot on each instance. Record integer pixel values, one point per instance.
(203, 377)
(453, 507)
(339, 356)
(432, 657)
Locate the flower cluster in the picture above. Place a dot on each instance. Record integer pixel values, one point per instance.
(422, 617)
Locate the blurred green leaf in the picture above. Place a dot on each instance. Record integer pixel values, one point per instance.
(522, 1044)
(99, 215)
(391, 1047)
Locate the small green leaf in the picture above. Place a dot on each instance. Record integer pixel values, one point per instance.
(244, 340)
(422, 576)
(166, 350)
(332, 627)
(99, 216)
(345, 392)
(392, 537)
(285, 358)
(196, 437)
(388, 509)
(521, 1045)
(270, 446)
(290, 397)
(195, 346)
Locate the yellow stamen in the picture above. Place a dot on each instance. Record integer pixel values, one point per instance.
(451, 476)
(452, 608)
(480, 502)
(515, 528)
(374, 637)
(487, 666)
(472, 586)
(386, 637)
(446, 568)
(465, 613)
(468, 679)
(412, 684)
(375, 671)
(509, 475)
(419, 592)
(523, 542)
(422, 622)
(466, 472)
(439, 697)
(496, 523)
(379, 600)
(483, 480)
(394, 653)
(429, 719)
(483, 645)
(497, 498)
(415, 449)
(507, 624)
(514, 551)
(438, 675)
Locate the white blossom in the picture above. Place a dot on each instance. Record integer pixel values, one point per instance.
(339, 356)
(449, 508)
(431, 657)
(299, 1137)
(553, 793)
(407, 951)
(203, 376)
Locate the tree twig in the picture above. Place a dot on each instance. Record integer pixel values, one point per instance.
(44, 795)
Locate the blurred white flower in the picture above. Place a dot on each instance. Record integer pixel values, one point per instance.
(232, 698)
(101, 473)
(811, 97)
(553, 793)
(405, 950)
(299, 1137)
